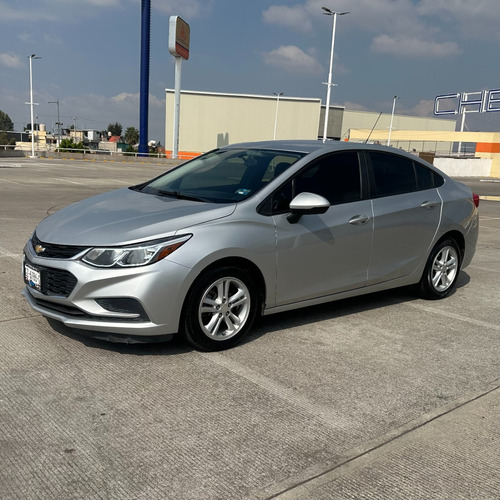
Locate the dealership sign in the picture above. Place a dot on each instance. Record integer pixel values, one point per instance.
(178, 37)
(484, 101)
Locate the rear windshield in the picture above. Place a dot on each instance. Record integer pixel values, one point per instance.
(223, 176)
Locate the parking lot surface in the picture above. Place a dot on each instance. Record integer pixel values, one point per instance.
(385, 396)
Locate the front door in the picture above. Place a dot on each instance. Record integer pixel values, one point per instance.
(329, 253)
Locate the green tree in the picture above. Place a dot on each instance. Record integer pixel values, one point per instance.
(67, 144)
(5, 121)
(115, 128)
(131, 136)
(3, 138)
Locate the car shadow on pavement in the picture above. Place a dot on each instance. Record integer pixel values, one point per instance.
(264, 325)
(174, 346)
(340, 308)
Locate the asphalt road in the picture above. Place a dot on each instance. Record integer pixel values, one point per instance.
(384, 396)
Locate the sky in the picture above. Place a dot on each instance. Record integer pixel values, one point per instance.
(90, 55)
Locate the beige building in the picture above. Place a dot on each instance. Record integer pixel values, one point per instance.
(377, 121)
(209, 120)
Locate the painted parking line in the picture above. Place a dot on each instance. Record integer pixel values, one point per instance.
(5, 253)
(71, 182)
(488, 269)
(490, 198)
(454, 316)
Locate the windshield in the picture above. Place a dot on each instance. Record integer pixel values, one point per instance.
(223, 176)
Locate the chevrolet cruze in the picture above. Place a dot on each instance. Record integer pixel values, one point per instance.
(247, 230)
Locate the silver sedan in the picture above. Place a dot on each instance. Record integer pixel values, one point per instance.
(245, 230)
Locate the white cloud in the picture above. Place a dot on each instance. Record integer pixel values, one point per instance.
(478, 18)
(10, 60)
(132, 99)
(292, 59)
(70, 11)
(104, 3)
(18, 11)
(292, 17)
(186, 8)
(354, 106)
(413, 47)
(424, 108)
(97, 111)
(399, 27)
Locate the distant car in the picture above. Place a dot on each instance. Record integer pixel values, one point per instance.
(245, 230)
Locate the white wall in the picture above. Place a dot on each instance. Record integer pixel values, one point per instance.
(464, 167)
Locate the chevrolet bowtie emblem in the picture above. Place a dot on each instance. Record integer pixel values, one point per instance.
(39, 249)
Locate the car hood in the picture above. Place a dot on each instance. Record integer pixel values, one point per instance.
(125, 216)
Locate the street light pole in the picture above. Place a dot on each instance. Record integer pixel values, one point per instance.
(462, 125)
(392, 119)
(58, 122)
(31, 103)
(329, 84)
(278, 95)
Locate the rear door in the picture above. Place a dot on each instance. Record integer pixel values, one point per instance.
(407, 213)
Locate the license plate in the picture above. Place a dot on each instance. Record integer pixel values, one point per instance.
(33, 277)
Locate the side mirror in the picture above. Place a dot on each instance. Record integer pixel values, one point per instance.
(307, 203)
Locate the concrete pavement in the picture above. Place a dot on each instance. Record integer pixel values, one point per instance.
(379, 397)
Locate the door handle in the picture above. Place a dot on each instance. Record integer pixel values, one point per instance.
(429, 205)
(357, 220)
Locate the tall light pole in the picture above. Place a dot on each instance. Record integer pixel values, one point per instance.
(462, 125)
(278, 95)
(58, 122)
(329, 84)
(31, 103)
(392, 119)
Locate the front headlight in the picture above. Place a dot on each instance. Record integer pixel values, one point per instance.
(134, 255)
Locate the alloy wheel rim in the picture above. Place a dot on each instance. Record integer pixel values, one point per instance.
(224, 308)
(444, 269)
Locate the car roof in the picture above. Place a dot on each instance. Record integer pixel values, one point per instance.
(318, 148)
(311, 146)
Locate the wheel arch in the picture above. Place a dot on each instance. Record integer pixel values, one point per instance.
(238, 262)
(458, 237)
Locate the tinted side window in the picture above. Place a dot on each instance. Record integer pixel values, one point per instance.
(425, 177)
(392, 174)
(336, 177)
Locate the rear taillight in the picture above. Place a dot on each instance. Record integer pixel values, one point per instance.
(475, 197)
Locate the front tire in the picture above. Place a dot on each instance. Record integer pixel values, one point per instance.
(441, 271)
(220, 309)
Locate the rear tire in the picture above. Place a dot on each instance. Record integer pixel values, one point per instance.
(441, 271)
(220, 309)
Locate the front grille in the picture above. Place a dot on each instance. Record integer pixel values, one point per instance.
(52, 251)
(58, 282)
(55, 281)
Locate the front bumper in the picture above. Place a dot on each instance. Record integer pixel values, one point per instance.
(133, 304)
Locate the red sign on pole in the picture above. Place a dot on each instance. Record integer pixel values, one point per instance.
(178, 37)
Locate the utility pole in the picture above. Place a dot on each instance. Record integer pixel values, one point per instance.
(31, 103)
(278, 95)
(392, 119)
(58, 122)
(329, 84)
